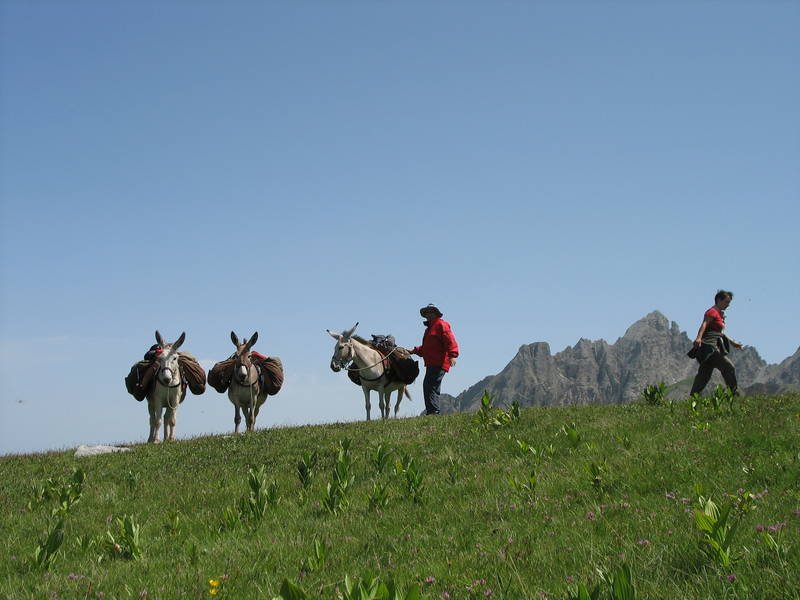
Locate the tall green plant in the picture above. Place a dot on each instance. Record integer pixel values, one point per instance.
(126, 544)
(717, 528)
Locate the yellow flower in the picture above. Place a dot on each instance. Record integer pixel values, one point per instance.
(213, 591)
(213, 583)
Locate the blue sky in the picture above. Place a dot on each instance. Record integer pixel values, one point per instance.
(543, 171)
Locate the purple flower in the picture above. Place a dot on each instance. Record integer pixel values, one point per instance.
(446, 595)
(643, 542)
(759, 528)
(430, 579)
(776, 528)
(591, 516)
(731, 577)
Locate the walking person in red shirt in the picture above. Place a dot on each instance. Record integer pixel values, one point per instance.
(439, 351)
(711, 346)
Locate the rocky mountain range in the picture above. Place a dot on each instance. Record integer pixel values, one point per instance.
(653, 350)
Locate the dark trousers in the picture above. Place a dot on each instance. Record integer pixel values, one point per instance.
(431, 388)
(715, 361)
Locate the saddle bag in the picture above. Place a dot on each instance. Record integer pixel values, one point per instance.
(220, 375)
(140, 380)
(271, 372)
(352, 373)
(193, 373)
(404, 369)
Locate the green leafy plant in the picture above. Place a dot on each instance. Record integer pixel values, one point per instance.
(317, 560)
(488, 417)
(721, 397)
(655, 395)
(380, 458)
(372, 588)
(454, 467)
(291, 591)
(66, 493)
(378, 498)
(48, 549)
(306, 467)
(617, 586)
(598, 470)
(132, 480)
(717, 526)
(570, 431)
(126, 543)
(261, 495)
(412, 477)
(524, 487)
(337, 492)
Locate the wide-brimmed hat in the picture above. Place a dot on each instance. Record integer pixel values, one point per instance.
(429, 309)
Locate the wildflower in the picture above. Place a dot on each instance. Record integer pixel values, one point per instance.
(446, 595)
(214, 583)
(430, 579)
(776, 528)
(731, 577)
(487, 593)
(759, 528)
(591, 516)
(643, 542)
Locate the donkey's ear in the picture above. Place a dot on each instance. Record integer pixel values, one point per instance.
(159, 339)
(333, 334)
(234, 339)
(253, 340)
(179, 341)
(350, 332)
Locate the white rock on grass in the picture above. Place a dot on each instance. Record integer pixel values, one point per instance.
(95, 450)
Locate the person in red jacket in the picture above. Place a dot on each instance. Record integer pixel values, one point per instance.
(439, 351)
(711, 346)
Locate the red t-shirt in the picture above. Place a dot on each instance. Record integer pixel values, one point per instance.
(717, 322)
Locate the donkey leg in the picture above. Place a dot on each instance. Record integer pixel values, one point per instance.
(387, 404)
(170, 415)
(366, 400)
(399, 398)
(248, 417)
(155, 420)
(237, 418)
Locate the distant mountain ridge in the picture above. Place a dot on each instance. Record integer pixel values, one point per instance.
(595, 372)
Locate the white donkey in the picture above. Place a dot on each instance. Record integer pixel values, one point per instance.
(167, 391)
(371, 370)
(246, 392)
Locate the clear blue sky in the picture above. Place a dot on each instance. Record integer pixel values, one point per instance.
(543, 171)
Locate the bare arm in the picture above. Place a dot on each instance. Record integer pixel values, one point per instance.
(703, 326)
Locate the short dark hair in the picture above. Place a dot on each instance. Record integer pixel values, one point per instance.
(722, 295)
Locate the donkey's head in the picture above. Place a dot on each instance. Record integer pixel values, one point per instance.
(343, 352)
(243, 370)
(168, 372)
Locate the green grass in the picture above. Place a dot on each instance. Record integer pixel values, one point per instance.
(621, 491)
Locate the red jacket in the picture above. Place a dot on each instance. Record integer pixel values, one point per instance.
(438, 344)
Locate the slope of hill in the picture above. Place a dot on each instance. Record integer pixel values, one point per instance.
(467, 506)
(652, 351)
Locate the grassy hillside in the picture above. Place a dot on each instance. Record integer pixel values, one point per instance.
(492, 504)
